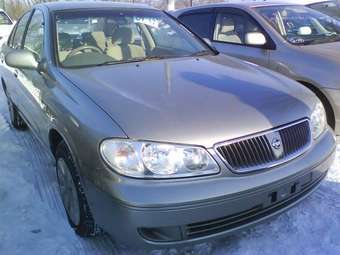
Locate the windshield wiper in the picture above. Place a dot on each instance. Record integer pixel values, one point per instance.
(132, 60)
(333, 36)
(201, 53)
(326, 38)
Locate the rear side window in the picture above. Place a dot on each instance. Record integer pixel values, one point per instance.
(4, 19)
(16, 40)
(199, 23)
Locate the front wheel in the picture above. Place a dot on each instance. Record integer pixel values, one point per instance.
(72, 194)
(16, 120)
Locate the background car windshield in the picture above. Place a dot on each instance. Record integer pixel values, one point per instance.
(331, 8)
(86, 38)
(302, 25)
(4, 20)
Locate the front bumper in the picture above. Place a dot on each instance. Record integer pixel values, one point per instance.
(171, 213)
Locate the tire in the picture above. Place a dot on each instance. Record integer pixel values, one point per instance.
(15, 118)
(72, 194)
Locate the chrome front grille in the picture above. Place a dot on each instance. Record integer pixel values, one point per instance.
(267, 149)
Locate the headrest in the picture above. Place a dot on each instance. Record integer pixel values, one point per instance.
(122, 35)
(98, 36)
(100, 39)
(227, 25)
(65, 41)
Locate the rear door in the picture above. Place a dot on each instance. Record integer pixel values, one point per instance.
(229, 33)
(11, 76)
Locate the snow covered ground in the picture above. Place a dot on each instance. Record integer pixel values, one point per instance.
(32, 220)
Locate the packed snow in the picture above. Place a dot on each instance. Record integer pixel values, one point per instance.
(32, 220)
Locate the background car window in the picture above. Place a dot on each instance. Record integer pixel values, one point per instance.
(330, 8)
(35, 34)
(199, 23)
(4, 19)
(301, 25)
(19, 32)
(232, 28)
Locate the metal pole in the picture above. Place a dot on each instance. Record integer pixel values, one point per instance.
(171, 5)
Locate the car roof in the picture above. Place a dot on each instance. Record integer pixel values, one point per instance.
(236, 4)
(76, 5)
(299, 2)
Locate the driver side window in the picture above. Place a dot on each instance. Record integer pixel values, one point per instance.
(233, 28)
(34, 40)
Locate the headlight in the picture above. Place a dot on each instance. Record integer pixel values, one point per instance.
(318, 120)
(156, 160)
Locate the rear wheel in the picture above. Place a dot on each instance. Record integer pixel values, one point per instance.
(16, 120)
(72, 194)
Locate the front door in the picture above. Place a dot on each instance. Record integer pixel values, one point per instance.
(33, 82)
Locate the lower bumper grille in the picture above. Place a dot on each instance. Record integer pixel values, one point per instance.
(230, 222)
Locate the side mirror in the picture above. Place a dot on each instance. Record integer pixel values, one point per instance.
(255, 38)
(21, 59)
(305, 31)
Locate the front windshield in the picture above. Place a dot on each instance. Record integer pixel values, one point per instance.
(115, 37)
(331, 8)
(301, 25)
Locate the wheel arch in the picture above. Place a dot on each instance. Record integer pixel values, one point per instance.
(328, 106)
(55, 138)
(3, 84)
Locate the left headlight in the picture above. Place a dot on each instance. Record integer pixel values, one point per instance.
(157, 160)
(318, 120)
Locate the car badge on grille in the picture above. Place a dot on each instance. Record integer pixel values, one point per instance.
(275, 142)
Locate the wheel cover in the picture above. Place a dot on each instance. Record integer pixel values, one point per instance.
(68, 191)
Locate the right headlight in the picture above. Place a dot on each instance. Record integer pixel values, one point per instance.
(157, 160)
(318, 120)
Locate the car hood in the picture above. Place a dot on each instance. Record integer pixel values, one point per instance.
(199, 101)
(330, 51)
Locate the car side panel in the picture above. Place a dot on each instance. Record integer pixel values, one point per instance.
(250, 54)
(82, 124)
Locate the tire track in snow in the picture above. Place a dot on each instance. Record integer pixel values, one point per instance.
(46, 185)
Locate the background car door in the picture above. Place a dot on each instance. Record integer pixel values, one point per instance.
(229, 33)
(33, 82)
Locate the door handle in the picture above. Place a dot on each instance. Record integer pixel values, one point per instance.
(15, 73)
